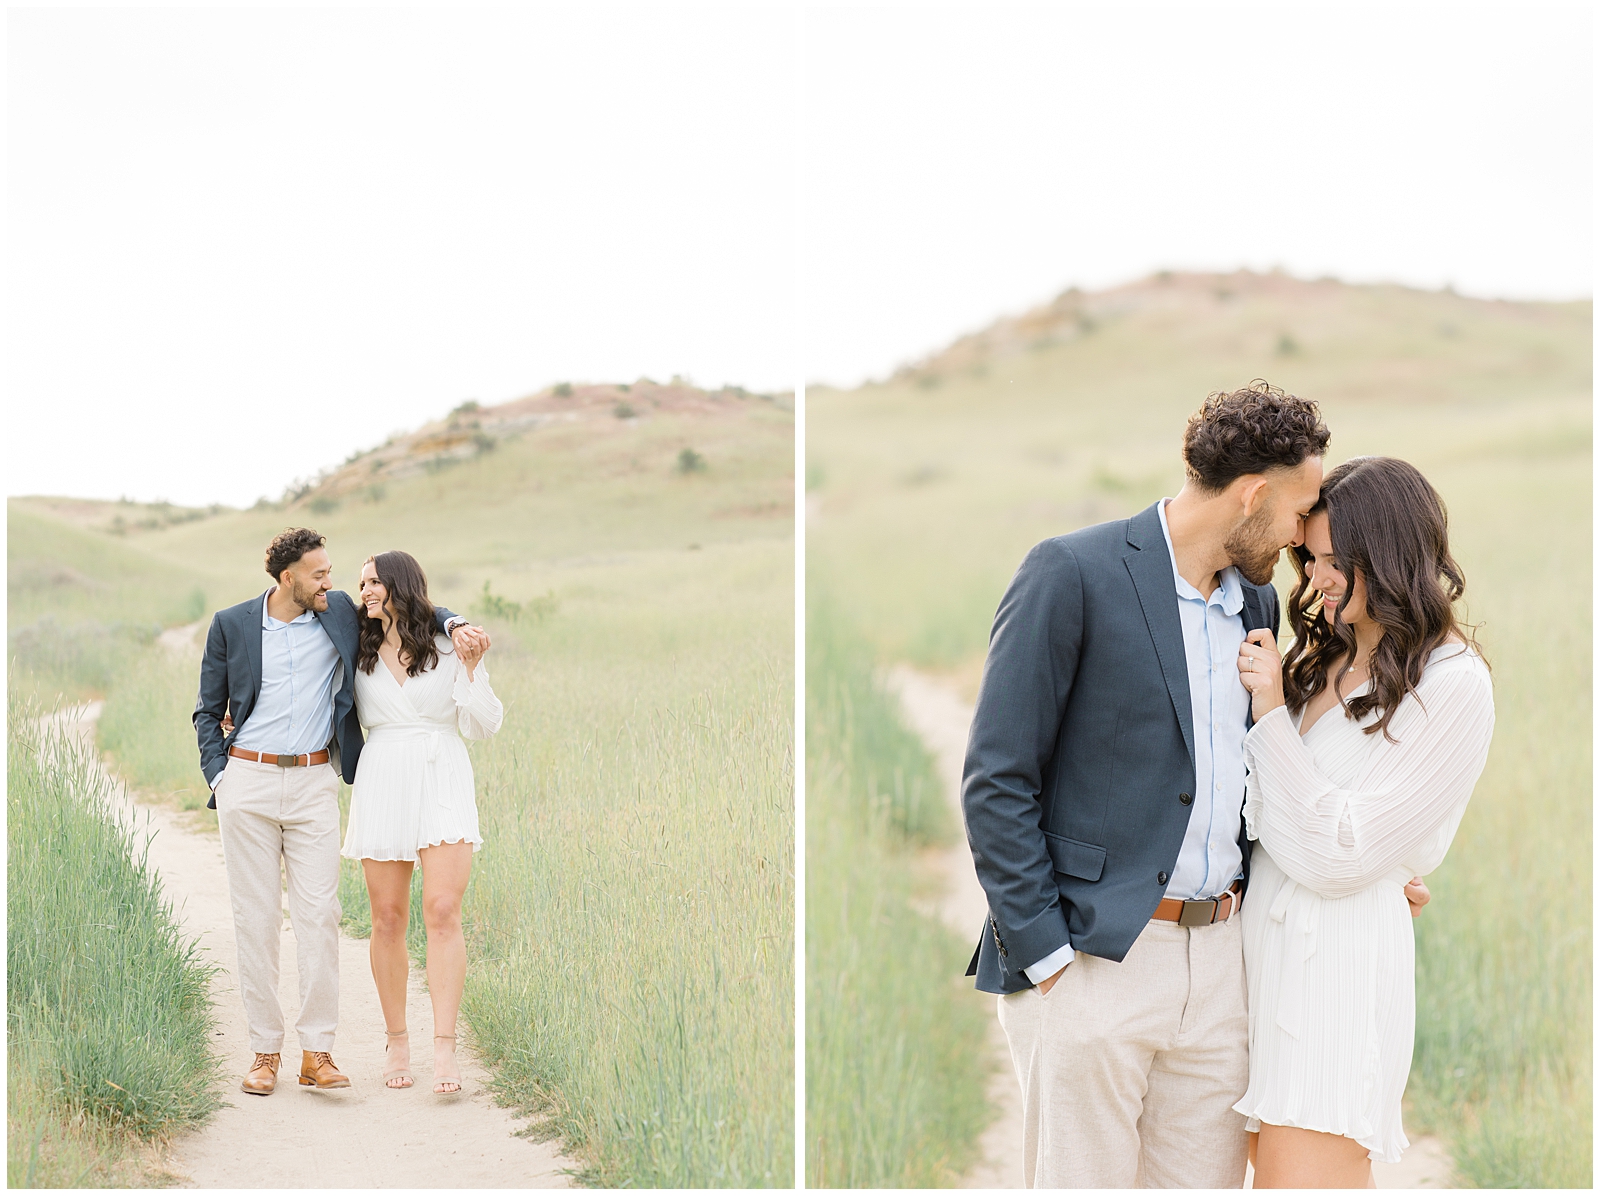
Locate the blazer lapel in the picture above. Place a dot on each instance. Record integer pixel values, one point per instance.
(339, 629)
(1150, 567)
(252, 643)
(1254, 617)
(1256, 611)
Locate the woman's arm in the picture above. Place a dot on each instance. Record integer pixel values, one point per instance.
(1337, 841)
(478, 711)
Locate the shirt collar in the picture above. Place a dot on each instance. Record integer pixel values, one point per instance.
(1229, 594)
(269, 623)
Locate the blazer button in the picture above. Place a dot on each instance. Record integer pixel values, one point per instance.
(1185, 798)
(1161, 878)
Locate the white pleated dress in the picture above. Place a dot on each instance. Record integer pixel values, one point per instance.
(1342, 820)
(414, 785)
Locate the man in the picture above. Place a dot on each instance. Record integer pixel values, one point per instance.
(1103, 792)
(282, 667)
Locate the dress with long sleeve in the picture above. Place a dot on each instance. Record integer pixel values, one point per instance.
(414, 785)
(1342, 820)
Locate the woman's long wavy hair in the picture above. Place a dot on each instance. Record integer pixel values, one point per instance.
(403, 578)
(1389, 527)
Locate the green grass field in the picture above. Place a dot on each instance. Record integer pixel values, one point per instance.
(107, 1015)
(895, 1061)
(630, 919)
(638, 914)
(926, 491)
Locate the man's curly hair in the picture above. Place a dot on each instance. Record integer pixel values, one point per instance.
(288, 546)
(1250, 431)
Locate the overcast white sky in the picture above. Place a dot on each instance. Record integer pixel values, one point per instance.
(244, 243)
(965, 163)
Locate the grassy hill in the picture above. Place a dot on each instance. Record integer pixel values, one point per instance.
(926, 489)
(942, 477)
(515, 493)
(631, 550)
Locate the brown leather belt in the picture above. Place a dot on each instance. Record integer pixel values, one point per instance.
(281, 761)
(1200, 913)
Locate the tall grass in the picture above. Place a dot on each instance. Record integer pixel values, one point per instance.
(895, 1056)
(161, 754)
(1504, 1048)
(108, 1012)
(52, 660)
(631, 914)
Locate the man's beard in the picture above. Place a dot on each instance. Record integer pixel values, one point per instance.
(1251, 548)
(305, 599)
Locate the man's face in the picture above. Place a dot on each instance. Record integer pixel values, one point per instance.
(310, 579)
(1277, 520)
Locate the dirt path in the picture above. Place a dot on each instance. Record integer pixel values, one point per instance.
(179, 640)
(365, 1136)
(938, 714)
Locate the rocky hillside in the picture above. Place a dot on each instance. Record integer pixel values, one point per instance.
(467, 432)
(471, 430)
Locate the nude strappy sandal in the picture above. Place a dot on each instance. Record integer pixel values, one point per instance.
(403, 1071)
(446, 1079)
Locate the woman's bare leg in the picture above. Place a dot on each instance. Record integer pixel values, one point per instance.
(1287, 1157)
(389, 894)
(445, 870)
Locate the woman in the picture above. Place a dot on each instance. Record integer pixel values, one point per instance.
(1366, 745)
(413, 798)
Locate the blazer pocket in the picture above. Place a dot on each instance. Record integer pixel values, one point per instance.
(1083, 860)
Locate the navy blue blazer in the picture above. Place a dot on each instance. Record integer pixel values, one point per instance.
(230, 680)
(1080, 773)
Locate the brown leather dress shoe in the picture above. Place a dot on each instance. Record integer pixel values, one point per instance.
(316, 1067)
(263, 1075)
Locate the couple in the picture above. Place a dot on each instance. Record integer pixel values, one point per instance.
(288, 681)
(1200, 856)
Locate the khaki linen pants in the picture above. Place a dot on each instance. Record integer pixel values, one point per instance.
(1129, 1070)
(265, 814)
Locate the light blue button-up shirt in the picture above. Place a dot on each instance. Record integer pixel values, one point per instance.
(293, 714)
(1213, 628)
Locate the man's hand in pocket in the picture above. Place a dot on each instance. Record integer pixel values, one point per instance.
(1049, 982)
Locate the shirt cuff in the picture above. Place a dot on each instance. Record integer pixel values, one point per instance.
(1050, 964)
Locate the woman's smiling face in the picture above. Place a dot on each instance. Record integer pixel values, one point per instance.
(374, 596)
(1339, 592)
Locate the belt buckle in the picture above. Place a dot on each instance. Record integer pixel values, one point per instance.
(288, 761)
(1197, 913)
